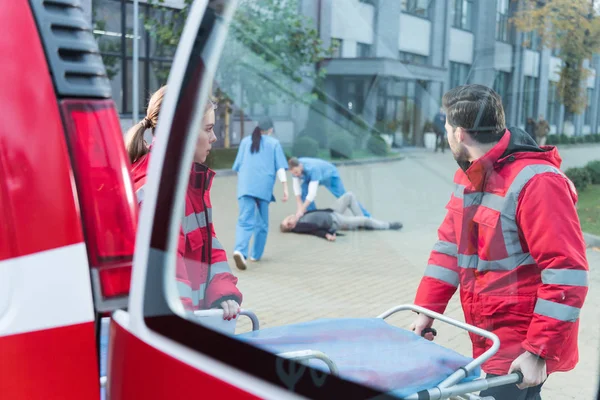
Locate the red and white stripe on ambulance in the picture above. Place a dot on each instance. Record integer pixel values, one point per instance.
(66, 203)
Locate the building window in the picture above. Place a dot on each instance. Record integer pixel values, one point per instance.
(530, 97)
(531, 40)
(397, 108)
(419, 8)
(502, 26)
(587, 116)
(112, 22)
(459, 74)
(337, 43)
(413, 58)
(363, 50)
(463, 14)
(553, 107)
(501, 86)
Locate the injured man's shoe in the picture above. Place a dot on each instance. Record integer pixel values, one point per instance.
(396, 226)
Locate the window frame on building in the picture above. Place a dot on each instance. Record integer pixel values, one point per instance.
(411, 7)
(459, 74)
(364, 50)
(462, 15)
(338, 53)
(503, 32)
(412, 58)
(530, 98)
(124, 54)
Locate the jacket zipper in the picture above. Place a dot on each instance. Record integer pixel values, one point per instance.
(209, 237)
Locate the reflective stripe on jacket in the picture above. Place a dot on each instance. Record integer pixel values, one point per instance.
(204, 277)
(512, 242)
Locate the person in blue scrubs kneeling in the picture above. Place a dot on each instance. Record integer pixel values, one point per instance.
(310, 173)
(259, 159)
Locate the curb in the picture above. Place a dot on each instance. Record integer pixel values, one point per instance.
(591, 240)
(230, 172)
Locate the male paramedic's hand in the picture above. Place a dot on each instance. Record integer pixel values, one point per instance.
(230, 309)
(285, 194)
(532, 367)
(422, 322)
(330, 237)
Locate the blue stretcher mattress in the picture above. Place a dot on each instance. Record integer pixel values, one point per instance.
(368, 351)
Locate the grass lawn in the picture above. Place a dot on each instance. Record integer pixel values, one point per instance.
(224, 158)
(589, 209)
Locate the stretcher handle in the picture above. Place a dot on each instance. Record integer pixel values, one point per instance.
(302, 355)
(429, 330)
(461, 373)
(477, 385)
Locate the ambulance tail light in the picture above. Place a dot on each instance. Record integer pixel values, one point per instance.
(107, 202)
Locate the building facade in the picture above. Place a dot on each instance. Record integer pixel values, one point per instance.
(394, 61)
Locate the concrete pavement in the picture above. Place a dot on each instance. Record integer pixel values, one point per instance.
(362, 274)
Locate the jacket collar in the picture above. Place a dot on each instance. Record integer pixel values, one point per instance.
(201, 176)
(478, 170)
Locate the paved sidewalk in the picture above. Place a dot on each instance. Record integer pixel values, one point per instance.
(303, 278)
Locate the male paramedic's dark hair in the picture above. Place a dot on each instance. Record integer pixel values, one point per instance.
(478, 110)
(293, 162)
(264, 125)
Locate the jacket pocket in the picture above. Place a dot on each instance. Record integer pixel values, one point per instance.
(510, 311)
(194, 240)
(486, 217)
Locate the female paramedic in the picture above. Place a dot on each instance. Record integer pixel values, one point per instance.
(259, 158)
(203, 276)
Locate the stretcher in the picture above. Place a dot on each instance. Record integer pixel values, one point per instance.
(375, 353)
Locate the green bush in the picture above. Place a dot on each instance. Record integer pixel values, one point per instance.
(376, 145)
(305, 146)
(580, 177)
(597, 138)
(340, 145)
(552, 140)
(563, 139)
(221, 158)
(588, 138)
(593, 168)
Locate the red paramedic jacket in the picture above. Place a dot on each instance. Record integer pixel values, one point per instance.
(204, 278)
(512, 241)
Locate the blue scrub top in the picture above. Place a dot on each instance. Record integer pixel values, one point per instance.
(257, 171)
(316, 169)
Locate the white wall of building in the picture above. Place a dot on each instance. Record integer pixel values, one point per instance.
(531, 63)
(555, 64)
(352, 21)
(503, 57)
(461, 46)
(415, 35)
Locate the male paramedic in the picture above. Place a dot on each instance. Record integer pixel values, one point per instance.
(310, 173)
(512, 241)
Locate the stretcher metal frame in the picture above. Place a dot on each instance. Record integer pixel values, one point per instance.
(449, 388)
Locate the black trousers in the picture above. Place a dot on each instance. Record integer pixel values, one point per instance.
(512, 392)
(440, 141)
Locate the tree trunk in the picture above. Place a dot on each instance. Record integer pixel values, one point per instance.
(241, 123)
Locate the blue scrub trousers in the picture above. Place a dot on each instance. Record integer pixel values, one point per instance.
(253, 219)
(336, 187)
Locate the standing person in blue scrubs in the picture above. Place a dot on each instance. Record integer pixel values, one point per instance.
(314, 172)
(259, 159)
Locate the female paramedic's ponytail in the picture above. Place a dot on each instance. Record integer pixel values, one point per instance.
(263, 125)
(134, 142)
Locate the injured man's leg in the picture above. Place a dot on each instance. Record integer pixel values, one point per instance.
(348, 201)
(348, 223)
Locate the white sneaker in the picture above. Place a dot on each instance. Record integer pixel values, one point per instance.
(240, 260)
(253, 259)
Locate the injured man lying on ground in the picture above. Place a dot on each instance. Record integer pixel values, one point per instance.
(325, 223)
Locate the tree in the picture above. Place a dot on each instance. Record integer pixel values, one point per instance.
(573, 27)
(270, 50)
